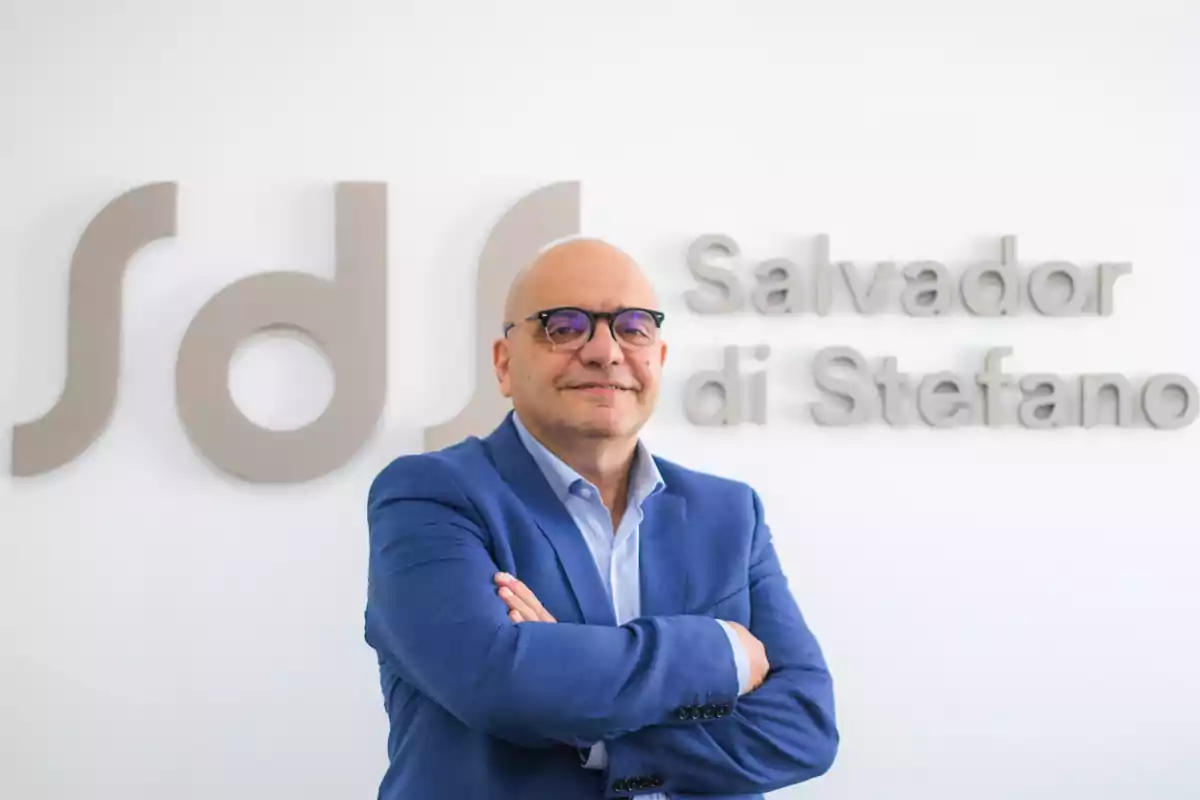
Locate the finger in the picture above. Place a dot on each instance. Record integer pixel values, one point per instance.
(516, 603)
(534, 604)
(515, 616)
(531, 606)
(530, 599)
(523, 611)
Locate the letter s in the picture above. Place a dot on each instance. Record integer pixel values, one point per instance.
(731, 291)
(860, 393)
(84, 409)
(542, 216)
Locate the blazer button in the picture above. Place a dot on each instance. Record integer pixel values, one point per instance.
(683, 713)
(709, 711)
(621, 786)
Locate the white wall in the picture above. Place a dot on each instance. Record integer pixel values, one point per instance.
(1008, 613)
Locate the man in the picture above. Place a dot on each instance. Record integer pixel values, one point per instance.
(560, 615)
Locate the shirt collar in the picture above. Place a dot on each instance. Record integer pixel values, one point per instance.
(644, 480)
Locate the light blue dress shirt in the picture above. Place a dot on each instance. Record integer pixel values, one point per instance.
(615, 552)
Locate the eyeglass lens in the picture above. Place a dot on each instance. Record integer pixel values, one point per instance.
(571, 326)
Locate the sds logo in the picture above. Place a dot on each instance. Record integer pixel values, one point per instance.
(346, 316)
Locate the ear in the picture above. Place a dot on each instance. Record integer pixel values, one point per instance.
(500, 363)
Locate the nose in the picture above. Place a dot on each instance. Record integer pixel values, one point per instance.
(602, 349)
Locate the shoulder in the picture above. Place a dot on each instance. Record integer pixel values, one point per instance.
(438, 475)
(706, 487)
(727, 508)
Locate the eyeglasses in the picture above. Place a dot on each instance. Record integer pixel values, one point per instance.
(569, 328)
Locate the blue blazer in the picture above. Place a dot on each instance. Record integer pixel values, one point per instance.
(482, 708)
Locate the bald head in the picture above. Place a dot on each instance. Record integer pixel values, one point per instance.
(582, 272)
(576, 387)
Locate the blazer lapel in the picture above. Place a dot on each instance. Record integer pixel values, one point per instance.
(663, 555)
(521, 472)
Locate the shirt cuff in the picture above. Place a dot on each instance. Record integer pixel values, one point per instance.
(597, 757)
(740, 659)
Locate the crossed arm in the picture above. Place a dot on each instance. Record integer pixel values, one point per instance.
(781, 733)
(433, 611)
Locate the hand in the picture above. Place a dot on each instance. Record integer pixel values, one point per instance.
(759, 666)
(522, 602)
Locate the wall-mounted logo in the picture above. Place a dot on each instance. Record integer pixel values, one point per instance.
(346, 316)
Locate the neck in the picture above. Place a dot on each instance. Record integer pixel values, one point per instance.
(605, 463)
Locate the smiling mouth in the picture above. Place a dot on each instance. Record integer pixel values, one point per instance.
(613, 387)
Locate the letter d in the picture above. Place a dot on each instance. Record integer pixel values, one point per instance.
(347, 317)
(728, 383)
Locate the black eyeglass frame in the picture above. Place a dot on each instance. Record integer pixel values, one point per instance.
(543, 317)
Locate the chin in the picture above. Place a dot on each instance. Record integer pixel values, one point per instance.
(606, 427)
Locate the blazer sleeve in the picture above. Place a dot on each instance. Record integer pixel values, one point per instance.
(433, 612)
(781, 734)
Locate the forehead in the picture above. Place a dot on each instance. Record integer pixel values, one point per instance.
(588, 275)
